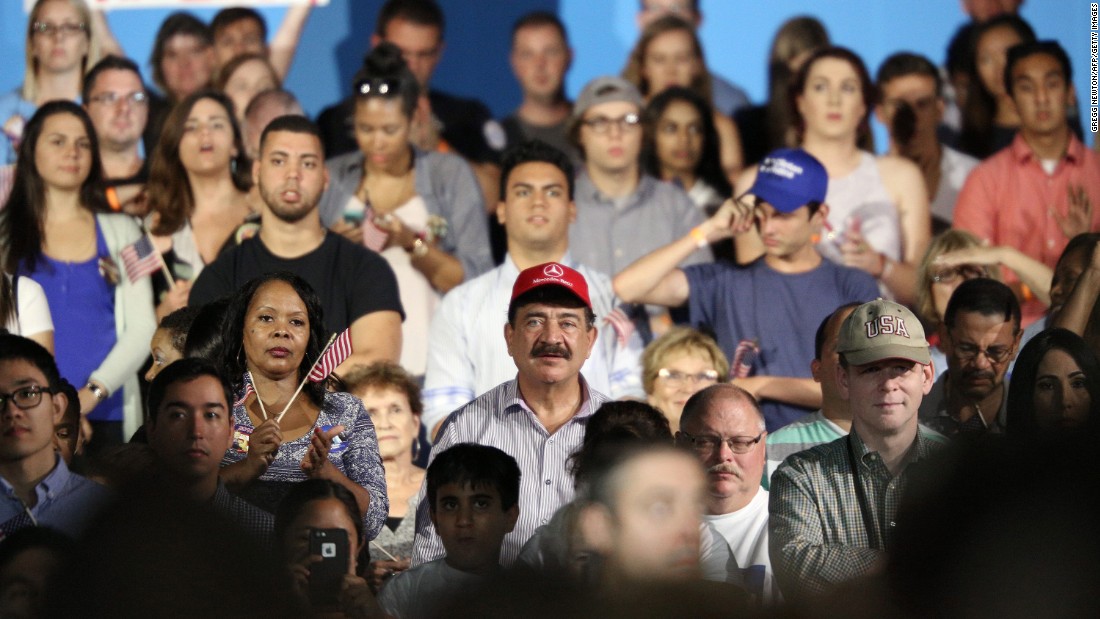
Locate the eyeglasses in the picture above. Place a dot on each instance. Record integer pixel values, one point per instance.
(24, 398)
(377, 86)
(675, 379)
(67, 29)
(970, 352)
(603, 124)
(965, 271)
(113, 98)
(709, 444)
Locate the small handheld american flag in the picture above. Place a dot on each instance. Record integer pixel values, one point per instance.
(619, 319)
(744, 356)
(334, 354)
(140, 258)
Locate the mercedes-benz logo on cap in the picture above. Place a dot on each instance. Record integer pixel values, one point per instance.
(553, 270)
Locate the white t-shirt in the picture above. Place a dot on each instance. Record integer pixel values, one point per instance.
(420, 591)
(33, 316)
(746, 531)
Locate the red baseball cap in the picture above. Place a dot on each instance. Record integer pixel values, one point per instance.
(552, 274)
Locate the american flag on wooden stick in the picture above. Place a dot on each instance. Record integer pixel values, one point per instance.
(619, 319)
(140, 258)
(334, 355)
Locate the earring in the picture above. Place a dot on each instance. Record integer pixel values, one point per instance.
(233, 165)
(416, 448)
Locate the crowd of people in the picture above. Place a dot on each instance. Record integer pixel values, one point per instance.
(657, 351)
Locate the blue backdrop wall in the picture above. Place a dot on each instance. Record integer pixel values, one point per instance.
(736, 35)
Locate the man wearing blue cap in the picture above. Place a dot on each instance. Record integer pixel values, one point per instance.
(763, 314)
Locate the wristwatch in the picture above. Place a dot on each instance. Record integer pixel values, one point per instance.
(99, 392)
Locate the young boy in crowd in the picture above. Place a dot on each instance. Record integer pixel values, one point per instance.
(473, 498)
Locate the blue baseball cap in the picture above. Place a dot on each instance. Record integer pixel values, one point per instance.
(789, 178)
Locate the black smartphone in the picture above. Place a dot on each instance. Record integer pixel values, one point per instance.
(326, 575)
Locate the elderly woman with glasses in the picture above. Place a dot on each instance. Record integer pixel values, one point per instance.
(676, 365)
(422, 211)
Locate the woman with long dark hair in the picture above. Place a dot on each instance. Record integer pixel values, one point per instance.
(681, 146)
(199, 179)
(58, 231)
(1055, 386)
(990, 119)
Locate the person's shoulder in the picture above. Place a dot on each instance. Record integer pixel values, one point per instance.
(664, 194)
(894, 169)
(12, 102)
(341, 164)
(119, 222)
(346, 249)
(849, 275)
(81, 488)
(470, 108)
(476, 415)
(337, 111)
(436, 160)
(343, 400)
(957, 159)
(794, 429)
(816, 458)
(472, 290)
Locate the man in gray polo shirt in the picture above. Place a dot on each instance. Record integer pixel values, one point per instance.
(622, 213)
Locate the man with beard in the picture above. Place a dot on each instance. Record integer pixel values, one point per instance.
(357, 287)
(540, 416)
(980, 335)
(723, 425)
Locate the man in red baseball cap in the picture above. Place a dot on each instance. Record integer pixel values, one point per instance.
(539, 417)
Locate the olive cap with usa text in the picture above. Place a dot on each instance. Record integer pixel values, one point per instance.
(882, 330)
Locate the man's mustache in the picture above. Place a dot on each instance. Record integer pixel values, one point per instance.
(547, 350)
(728, 468)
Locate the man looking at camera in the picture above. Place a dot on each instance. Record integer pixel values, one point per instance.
(1044, 188)
(539, 417)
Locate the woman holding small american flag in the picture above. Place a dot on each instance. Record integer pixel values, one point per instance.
(286, 427)
(57, 230)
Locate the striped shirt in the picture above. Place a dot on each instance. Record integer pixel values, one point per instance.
(469, 356)
(500, 418)
(818, 538)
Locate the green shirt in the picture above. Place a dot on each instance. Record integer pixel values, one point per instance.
(817, 533)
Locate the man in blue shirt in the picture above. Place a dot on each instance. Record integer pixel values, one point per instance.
(37, 487)
(763, 314)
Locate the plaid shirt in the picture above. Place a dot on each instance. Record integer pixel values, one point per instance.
(817, 533)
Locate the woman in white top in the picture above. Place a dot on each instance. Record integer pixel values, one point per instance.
(878, 219)
(198, 186)
(25, 311)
